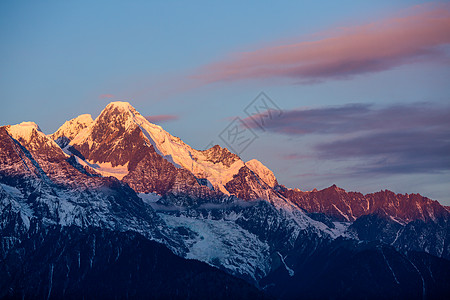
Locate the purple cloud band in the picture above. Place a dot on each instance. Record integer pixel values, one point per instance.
(408, 138)
(351, 118)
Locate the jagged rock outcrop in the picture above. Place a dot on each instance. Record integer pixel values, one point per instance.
(348, 206)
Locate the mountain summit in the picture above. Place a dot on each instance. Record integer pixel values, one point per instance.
(120, 138)
(70, 129)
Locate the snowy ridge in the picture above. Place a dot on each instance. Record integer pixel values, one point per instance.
(29, 134)
(66, 207)
(24, 130)
(72, 127)
(170, 147)
(263, 172)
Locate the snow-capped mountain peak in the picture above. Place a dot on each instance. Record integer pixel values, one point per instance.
(122, 105)
(120, 125)
(24, 130)
(41, 149)
(30, 135)
(70, 129)
(263, 172)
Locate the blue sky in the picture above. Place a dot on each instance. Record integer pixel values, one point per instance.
(58, 58)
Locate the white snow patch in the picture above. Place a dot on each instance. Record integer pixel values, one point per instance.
(223, 242)
(340, 229)
(106, 169)
(303, 221)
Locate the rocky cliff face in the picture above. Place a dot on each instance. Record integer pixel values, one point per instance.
(217, 154)
(406, 221)
(348, 206)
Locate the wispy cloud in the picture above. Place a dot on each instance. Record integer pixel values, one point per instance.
(106, 96)
(350, 118)
(416, 35)
(417, 150)
(158, 119)
(408, 138)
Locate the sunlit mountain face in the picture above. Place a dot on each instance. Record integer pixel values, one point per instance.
(119, 207)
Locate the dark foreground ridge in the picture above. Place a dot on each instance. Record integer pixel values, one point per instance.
(71, 263)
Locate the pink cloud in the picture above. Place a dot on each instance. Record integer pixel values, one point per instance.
(406, 38)
(106, 96)
(157, 119)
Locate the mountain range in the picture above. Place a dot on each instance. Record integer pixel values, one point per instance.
(120, 195)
